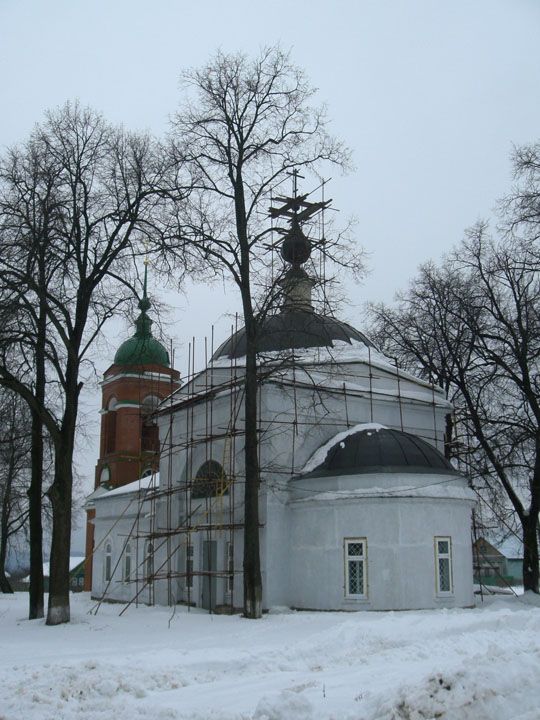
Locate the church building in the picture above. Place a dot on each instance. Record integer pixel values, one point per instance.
(359, 508)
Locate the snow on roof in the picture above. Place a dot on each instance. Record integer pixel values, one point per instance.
(149, 482)
(511, 548)
(319, 456)
(74, 560)
(341, 351)
(439, 489)
(318, 379)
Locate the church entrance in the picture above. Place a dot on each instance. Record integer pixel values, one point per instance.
(208, 599)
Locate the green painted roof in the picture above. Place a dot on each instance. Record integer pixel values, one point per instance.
(142, 348)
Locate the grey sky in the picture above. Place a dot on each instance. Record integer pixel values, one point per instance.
(430, 95)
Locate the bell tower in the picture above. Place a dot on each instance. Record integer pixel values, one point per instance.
(132, 387)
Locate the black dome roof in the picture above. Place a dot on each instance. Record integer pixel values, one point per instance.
(381, 450)
(292, 330)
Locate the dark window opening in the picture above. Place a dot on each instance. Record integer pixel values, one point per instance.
(149, 437)
(110, 432)
(210, 481)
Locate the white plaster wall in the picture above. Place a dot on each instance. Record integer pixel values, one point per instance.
(286, 448)
(400, 536)
(116, 519)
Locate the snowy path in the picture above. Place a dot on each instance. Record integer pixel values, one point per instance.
(463, 664)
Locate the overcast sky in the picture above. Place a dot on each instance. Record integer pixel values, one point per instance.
(429, 94)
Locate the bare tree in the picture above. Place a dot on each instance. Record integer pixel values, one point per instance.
(521, 208)
(246, 124)
(76, 203)
(30, 211)
(14, 474)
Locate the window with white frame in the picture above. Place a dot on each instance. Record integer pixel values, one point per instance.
(443, 565)
(107, 565)
(356, 567)
(229, 564)
(128, 563)
(189, 566)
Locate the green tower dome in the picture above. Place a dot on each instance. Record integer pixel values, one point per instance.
(142, 348)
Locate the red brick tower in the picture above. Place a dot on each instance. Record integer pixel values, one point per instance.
(132, 387)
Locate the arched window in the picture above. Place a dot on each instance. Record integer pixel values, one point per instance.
(107, 562)
(150, 404)
(110, 426)
(210, 481)
(128, 563)
(149, 427)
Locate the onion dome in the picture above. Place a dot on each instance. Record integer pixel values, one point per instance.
(296, 247)
(374, 449)
(142, 348)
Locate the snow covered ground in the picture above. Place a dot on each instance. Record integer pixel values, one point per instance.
(452, 664)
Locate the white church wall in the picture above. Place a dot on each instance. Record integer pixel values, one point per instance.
(119, 522)
(399, 534)
(317, 413)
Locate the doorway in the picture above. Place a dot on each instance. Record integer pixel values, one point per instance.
(208, 599)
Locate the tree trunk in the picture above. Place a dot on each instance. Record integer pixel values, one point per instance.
(252, 559)
(530, 553)
(36, 594)
(60, 494)
(36, 598)
(5, 585)
(252, 562)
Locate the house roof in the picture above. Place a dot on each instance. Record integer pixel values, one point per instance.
(74, 561)
(512, 547)
(486, 548)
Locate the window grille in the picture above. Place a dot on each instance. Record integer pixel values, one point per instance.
(443, 565)
(356, 567)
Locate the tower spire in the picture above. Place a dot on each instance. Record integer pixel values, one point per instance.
(143, 322)
(142, 348)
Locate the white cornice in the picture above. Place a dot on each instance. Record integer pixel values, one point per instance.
(149, 375)
(119, 406)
